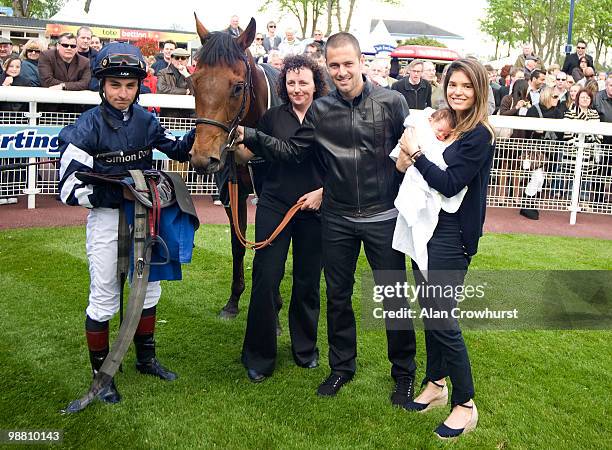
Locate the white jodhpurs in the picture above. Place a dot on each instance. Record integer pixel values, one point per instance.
(102, 228)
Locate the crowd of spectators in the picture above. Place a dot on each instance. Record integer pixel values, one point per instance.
(573, 90)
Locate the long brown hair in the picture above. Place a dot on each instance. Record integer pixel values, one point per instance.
(479, 78)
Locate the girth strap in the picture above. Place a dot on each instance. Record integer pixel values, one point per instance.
(138, 290)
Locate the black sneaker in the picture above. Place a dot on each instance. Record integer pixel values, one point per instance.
(404, 390)
(332, 385)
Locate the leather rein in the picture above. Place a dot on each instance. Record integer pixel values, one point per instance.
(229, 147)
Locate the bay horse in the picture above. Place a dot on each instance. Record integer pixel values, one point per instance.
(229, 89)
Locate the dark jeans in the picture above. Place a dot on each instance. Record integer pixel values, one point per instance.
(446, 351)
(259, 348)
(342, 241)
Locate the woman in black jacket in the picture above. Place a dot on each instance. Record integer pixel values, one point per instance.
(300, 82)
(454, 242)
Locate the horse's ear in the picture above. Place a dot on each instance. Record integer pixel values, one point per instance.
(202, 31)
(247, 36)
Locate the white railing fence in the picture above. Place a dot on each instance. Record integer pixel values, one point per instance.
(574, 176)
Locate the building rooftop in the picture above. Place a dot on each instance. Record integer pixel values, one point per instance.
(411, 28)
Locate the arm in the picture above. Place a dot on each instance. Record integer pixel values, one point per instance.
(428, 99)
(295, 149)
(312, 200)
(469, 157)
(175, 148)
(75, 157)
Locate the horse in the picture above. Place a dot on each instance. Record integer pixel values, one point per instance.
(229, 89)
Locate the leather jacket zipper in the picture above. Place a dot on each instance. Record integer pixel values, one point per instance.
(355, 157)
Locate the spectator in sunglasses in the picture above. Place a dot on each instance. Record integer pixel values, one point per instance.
(271, 40)
(559, 87)
(257, 49)
(62, 68)
(29, 60)
(572, 61)
(173, 80)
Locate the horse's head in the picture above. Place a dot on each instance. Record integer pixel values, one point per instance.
(221, 84)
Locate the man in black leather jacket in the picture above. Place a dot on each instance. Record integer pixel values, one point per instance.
(352, 131)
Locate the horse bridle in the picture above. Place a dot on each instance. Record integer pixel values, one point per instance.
(233, 124)
(233, 179)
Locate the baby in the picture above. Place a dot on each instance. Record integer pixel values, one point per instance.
(418, 204)
(442, 123)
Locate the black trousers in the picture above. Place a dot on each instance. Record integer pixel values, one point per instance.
(446, 351)
(259, 347)
(342, 241)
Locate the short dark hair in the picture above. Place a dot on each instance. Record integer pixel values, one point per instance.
(66, 35)
(341, 39)
(318, 49)
(536, 74)
(295, 63)
(169, 41)
(581, 41)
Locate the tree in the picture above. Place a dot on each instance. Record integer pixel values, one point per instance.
(592, 23)
(501, 24)
(423, 40)
(338, 13)
(41, 9)
(307, 12)
(544, 23)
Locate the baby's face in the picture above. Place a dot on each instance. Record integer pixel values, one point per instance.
(441, 129)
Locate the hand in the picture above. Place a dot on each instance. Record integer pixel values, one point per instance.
(407, 143)
(520, 104)
(57, 87)
(312, 200)
(243, 154)
(183, 71)
(379, 81)
(8, 81)
(403, 162)
(239, 133)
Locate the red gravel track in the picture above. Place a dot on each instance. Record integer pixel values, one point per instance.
(51, 213)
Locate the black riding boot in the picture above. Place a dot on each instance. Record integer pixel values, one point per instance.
(144, 340)
(97, 341)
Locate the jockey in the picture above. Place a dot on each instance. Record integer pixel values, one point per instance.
(117, 124)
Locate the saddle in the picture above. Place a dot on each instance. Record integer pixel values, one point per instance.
(170, 186)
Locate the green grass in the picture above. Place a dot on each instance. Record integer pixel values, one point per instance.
(535, 389)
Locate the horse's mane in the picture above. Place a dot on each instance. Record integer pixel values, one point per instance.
(220, 47)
